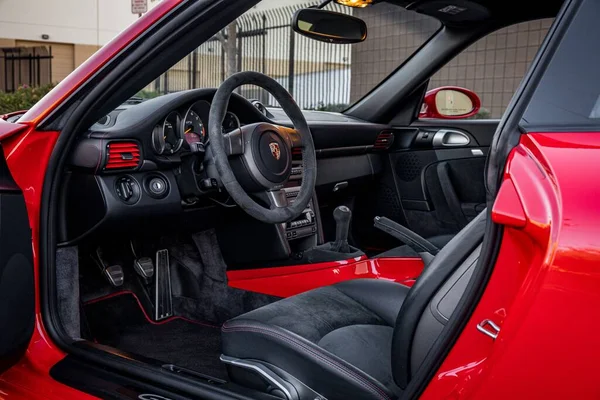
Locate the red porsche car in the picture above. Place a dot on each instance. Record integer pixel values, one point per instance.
(200, 245)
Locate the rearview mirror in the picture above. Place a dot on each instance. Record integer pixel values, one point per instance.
(450, 102)
(329, 26)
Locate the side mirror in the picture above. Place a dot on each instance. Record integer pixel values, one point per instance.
(450, 102)
(329, 26)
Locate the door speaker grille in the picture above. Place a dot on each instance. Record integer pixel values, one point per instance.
(408, 166)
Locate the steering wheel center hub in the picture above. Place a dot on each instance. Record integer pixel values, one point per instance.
(271, 154)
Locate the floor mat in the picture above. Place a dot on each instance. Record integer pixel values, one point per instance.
(120, 322)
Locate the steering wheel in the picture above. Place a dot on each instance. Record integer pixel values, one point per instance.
(261, 153)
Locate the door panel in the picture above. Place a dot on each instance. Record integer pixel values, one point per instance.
(17, 293)
(436, 168)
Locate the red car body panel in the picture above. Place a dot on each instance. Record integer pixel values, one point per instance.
(544, 289)
(291, 280)
(27, 155)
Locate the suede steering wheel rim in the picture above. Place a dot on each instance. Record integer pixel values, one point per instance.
(244, 141)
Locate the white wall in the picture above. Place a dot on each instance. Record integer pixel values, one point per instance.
(92, 22)
(268, 4)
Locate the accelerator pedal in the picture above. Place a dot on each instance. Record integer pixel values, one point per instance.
(163, 301)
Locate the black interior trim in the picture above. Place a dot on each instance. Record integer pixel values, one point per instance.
(17, 285)
(150, 377)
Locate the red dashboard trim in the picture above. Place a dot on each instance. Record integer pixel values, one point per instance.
(291, 280)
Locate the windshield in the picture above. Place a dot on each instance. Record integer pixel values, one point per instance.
(320, 76)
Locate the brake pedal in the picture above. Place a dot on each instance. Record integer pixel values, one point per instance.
(115, 275)
(144, 267)
(163, 303)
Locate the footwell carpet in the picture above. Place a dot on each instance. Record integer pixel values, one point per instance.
(120, 322)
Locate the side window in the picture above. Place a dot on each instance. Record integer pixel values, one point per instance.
(488, 72)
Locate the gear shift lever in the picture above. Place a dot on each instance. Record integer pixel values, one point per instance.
(342, 215)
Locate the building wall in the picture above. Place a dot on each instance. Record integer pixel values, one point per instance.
(92, 22)
(393, 35)
(493, 67)
(76, 28)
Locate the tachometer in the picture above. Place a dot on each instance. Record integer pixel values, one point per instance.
(193, 128)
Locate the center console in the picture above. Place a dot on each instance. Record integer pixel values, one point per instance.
(307, 224)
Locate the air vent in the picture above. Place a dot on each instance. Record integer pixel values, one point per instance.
(122, 155)
(384, 141)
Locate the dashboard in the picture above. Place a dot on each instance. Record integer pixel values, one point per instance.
(144, 163)
(167, 127)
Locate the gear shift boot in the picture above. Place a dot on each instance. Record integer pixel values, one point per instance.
(338, 249)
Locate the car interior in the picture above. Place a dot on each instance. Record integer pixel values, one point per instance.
(164, 202)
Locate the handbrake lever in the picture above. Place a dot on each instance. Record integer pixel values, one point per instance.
(405, 235)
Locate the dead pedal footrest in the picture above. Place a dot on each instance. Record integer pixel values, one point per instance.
(163, 302)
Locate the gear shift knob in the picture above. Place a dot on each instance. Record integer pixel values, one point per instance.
(341, 215)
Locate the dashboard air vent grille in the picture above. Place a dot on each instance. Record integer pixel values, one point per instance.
(384, 140)
(122, 155)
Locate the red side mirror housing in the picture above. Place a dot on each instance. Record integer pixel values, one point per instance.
(450, 102)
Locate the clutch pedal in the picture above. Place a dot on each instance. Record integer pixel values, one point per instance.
(114, 273)
(163, 302)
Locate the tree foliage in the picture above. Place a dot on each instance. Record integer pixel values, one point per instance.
(22, 99)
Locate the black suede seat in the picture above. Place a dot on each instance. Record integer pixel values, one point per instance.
(406, 251)
(347, 320)
(359, 339)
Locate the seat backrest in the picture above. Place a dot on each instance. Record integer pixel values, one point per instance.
(432, 299)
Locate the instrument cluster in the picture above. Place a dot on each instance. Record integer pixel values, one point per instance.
(180, 130)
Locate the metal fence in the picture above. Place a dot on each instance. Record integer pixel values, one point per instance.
(317, 74)
(20, 66)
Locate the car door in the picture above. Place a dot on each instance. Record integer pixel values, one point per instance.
(17, 293)
(437, 171)
(434, 183)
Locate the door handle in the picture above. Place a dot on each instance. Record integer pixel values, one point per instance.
(450, 138)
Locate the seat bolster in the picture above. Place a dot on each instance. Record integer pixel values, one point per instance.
(322, 371)
(384, 298)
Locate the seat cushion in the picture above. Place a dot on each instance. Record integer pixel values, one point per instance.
(351, 343)
(335, 339)
(407, 251)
